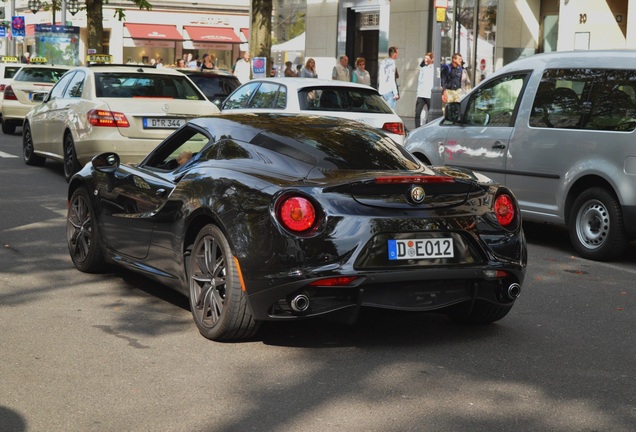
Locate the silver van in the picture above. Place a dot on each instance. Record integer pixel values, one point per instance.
(558, 129)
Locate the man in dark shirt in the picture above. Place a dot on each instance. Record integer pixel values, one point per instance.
(452, 80)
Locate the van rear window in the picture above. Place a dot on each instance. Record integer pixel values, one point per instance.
(592, 99)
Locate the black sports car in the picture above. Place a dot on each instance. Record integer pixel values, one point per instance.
(278, 217)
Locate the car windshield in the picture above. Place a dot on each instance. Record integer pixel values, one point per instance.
(135, 85)
(42, 75)
(10, 71)
(350, 99)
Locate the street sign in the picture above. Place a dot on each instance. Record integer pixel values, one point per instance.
(17, 26)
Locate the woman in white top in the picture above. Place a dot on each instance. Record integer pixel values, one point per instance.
(309, 70)
(360, 74)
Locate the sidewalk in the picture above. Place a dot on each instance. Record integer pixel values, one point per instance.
(409, 123)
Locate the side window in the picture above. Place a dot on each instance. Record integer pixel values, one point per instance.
(560, 99)
(265, 97)
(494, 104)
(613, 102)
(178, 149)
(281, 100)
(57, 91)
(76, 86)
(239, 99)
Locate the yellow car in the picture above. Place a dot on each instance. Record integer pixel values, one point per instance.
(30, 80)
(127, 109)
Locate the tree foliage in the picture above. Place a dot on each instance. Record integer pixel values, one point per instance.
(94, 21)
(261, 30)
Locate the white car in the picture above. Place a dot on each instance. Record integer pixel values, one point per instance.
(8, 69)
(316, 96)
(127, 109)
(30, 80)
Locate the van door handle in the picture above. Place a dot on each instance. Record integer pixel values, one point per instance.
(499, 145)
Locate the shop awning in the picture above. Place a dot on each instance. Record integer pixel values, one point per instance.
(212, 34)
(246, 33)
(153, 31)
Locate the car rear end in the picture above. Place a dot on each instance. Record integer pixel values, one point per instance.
(18, 96)
(136, 108)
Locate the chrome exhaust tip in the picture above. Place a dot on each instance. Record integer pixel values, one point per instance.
(514, 291)
(299, 303)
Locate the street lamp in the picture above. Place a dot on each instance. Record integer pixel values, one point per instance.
(73, 6)
(34, 5)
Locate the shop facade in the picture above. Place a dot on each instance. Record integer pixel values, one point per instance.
(166, 33)
(488, 33)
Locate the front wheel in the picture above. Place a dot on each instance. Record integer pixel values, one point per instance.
(596, 226)
(71, 165)
(217, 301)
(81, 234)
(28, 149)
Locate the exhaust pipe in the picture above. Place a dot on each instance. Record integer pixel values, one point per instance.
(299, 303)
(514, 290)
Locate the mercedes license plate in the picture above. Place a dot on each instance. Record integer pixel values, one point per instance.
(163, 123)
(421, 248)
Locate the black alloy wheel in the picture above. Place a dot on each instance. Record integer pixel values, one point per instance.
(71, 165)
(28, 149)
(81, 234)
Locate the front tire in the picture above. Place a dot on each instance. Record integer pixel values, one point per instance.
(28, 149)
(81, 234)
(8, 127)
(217, 301)
(596, 226)
(71, 165)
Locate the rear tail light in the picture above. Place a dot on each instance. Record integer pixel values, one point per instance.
(9, 94)
(413, 179)
(394, 128)
(505, 210)
(296, 213)
(334, 281)
(107, 118)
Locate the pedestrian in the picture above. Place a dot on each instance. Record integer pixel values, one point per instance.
(159, 63)
(207, 63)
(451, 77)
(298, 68)
(309, 70)
(289, 72)
(27, 57)
(466, 84)
(424, 88)
(341, 71)
(387, 78)
(243, 68)
(360, 75)
(194, 61)
(180, 63)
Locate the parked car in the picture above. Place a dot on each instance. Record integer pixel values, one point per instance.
(8, 68)
(557, 129)
(262, 217)
(102, 107)
(316, 96)
(216, 85)
(18, 96)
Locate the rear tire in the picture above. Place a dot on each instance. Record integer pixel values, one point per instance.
(218, 303)
(71, 165)
(28, 149)
(596, 226)
(8, 127)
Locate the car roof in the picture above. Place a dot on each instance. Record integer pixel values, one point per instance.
(310, 82)
(99, 67)
(612, 59)
(190, 71)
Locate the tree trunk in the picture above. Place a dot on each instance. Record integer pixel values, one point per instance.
(95, 26)
(261, 31)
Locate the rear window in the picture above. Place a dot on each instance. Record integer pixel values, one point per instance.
(42, 75)
(9, 71)
(215, 85)
(342, 99)
(135, 85)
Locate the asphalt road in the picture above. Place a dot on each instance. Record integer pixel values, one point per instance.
(116, 352)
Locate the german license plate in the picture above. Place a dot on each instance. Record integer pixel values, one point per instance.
(163, 123)
(421, 248)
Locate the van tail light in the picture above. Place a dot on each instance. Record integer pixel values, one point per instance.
(505, 210)
(394, 128)
(296, 213)
(9, 94)
(105, 118)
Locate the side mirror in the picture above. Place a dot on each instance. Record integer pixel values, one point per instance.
(452, 112)
(106, 162)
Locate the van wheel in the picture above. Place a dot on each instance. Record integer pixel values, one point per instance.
(596, 226)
